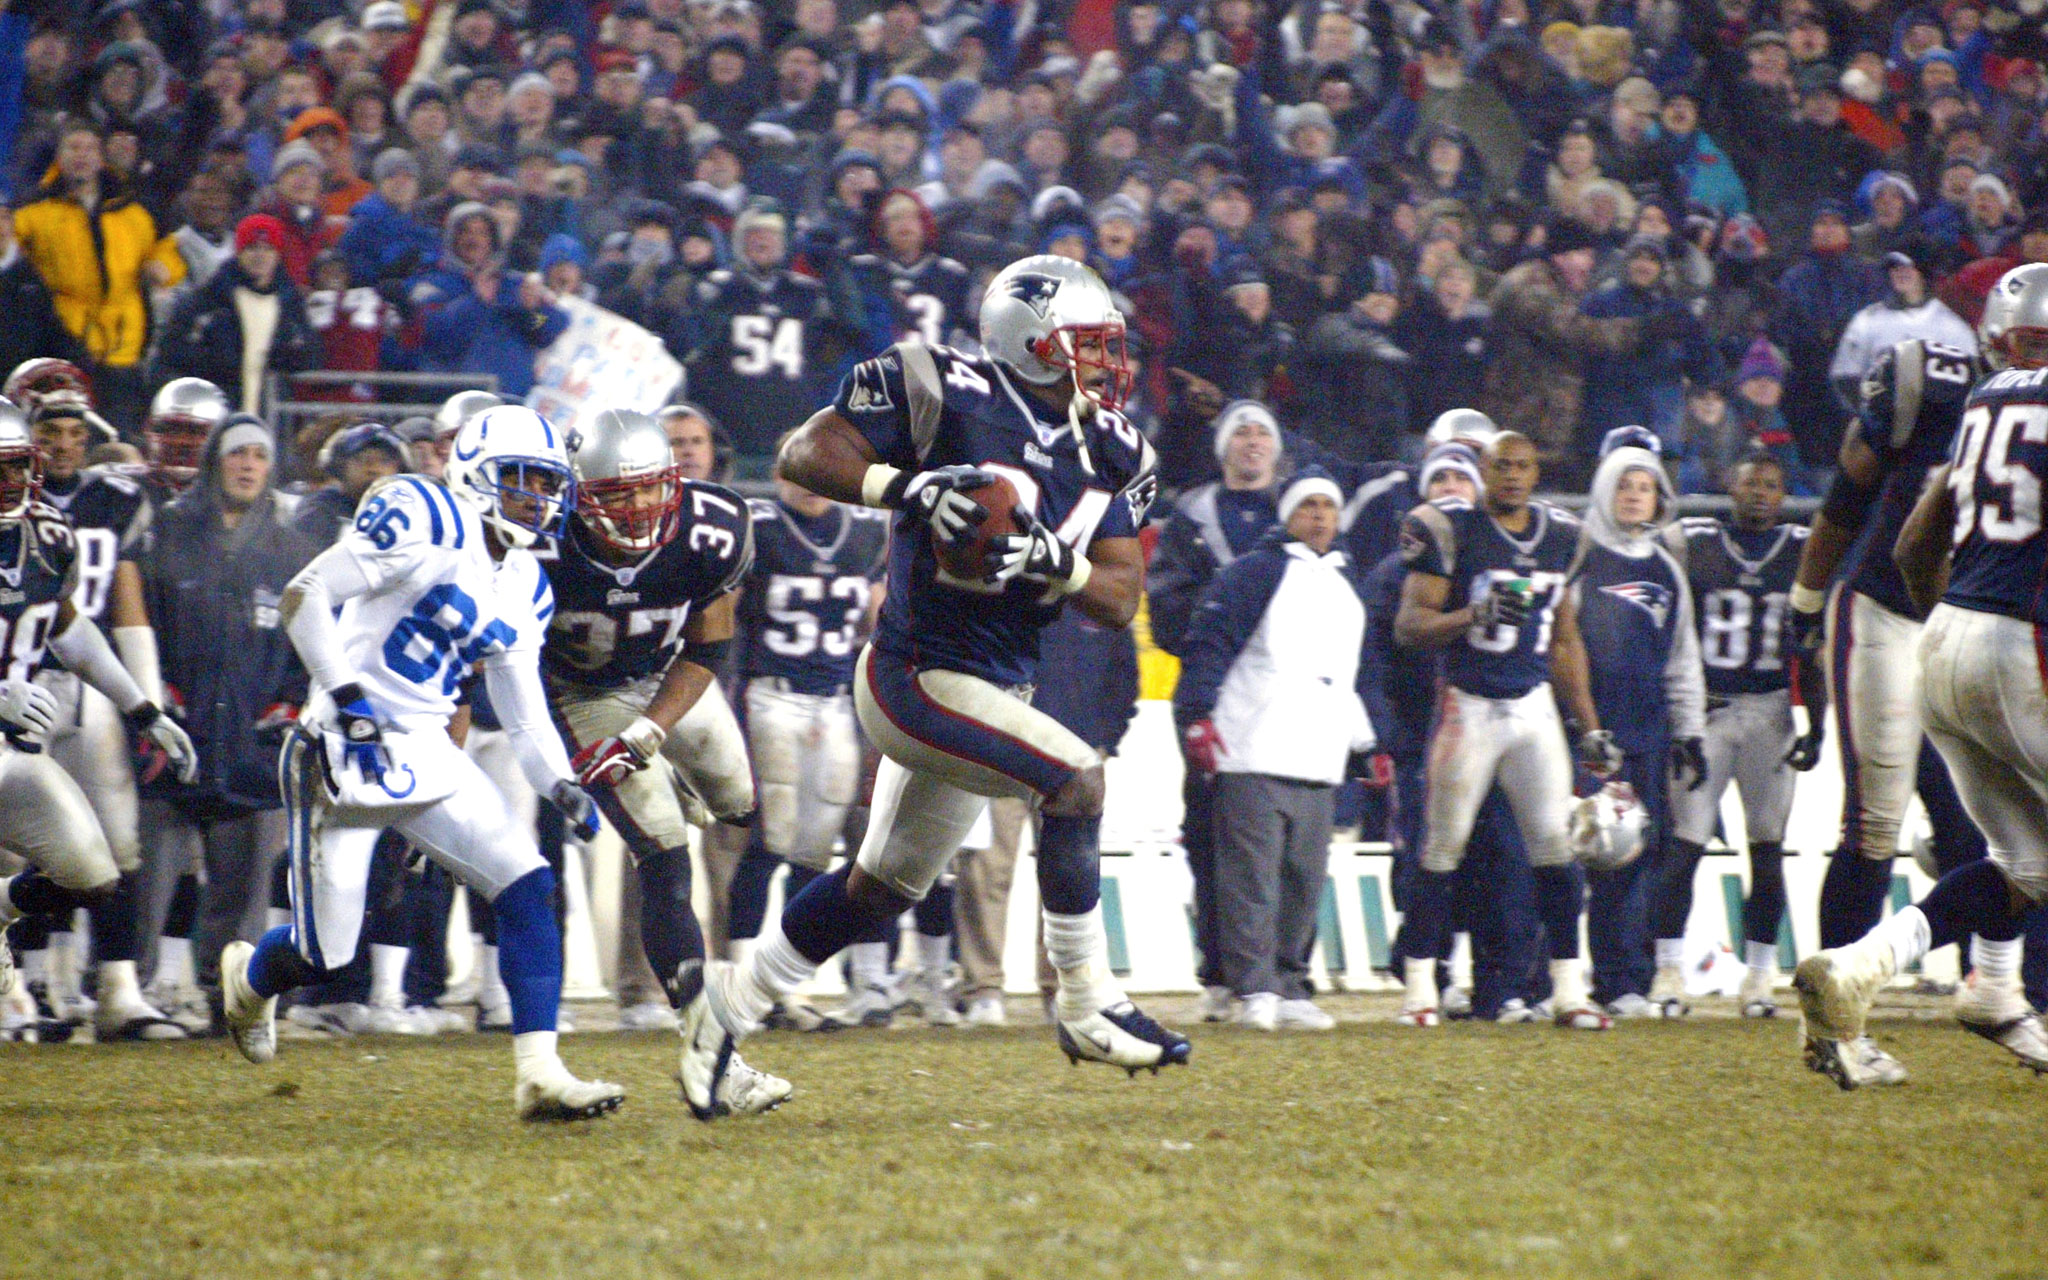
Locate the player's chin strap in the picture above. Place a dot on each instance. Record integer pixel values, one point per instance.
(1074, 425)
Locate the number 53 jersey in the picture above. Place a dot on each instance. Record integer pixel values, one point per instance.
(807, 596)
(436, 605)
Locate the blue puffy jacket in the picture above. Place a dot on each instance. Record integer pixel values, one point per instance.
(461, 333)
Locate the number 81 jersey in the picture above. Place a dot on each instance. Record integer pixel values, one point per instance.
(616, 625)
(1741, 584)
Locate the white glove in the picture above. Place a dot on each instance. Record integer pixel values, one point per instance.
(164, 734)
(27, 708)
(1037, 554)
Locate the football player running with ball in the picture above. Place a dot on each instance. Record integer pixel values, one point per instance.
(431, 582)
(942, 689)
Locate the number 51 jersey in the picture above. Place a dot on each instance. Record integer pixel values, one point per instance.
(923, 407)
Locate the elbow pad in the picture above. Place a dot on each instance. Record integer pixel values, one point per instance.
(1847, 501)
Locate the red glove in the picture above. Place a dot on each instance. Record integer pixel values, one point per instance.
(1203, 745)
(1376, 770)
(278, 715)
(605, 763)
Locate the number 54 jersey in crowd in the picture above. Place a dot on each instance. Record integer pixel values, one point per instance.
(1455, 540)
(1741, 584)
(616, 625)
(923, 407)
(808, 593)
(436, 605)
(1998, 466)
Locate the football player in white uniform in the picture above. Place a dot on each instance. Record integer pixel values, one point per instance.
(432, 583)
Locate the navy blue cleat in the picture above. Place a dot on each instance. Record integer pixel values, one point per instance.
(1122, 1035)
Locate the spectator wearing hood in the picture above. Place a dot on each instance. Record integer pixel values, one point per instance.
(1436, 89)
(1908, 310)
(1445, 166)
(1817, 297)
(1448, 329)
(1890, 204)
(386, 240)
(246, 323)
(214, 570)
(326, 132)
(1269, 706)
(478, 317)
(1646, 388)
(731, 90)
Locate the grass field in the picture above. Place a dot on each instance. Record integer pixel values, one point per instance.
(1698, 1149)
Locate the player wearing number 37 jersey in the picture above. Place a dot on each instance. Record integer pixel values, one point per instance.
(943, 687)
(432, 583)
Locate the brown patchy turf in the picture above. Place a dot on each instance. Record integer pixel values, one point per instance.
(1700, 1149)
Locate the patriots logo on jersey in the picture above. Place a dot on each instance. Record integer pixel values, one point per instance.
(870, 388)
(1653, 598)
(1035, 292)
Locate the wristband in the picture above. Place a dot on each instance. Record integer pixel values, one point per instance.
(643, 738)
(1805, 599)
(881, 486)
(1083, 569)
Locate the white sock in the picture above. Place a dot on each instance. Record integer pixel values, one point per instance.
(870, 964)
(775, 969)
(1568, 985)
(1908, 935)
(1079, 951)
(534, 1051)
(275, 916)
(738, 949)
(1421, 977)
(1997, 962)
(1671, 953)
(490, 991)
(387, 973)
(35, 965)
(1460, 961)
(934, 954)
(64, 973)
(118, 987)
(174, 961)
(1761, 957)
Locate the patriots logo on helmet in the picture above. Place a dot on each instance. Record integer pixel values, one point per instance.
(1653, 598)
(1035, 292)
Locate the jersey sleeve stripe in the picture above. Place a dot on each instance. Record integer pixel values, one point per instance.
(433, 510)
(454, 512)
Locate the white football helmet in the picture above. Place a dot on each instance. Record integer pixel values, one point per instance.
(1038, 312)
(21, 462)
(460, 408)
(511, 455)
(2001, 309)
(1462, 424)
(1606, 828)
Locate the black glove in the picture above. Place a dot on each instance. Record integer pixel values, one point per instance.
(1036, 553)
(938, 498)
(1805, 752)
(1501, 606)
(1808, 630)
(1600, 755)
(1689, 762)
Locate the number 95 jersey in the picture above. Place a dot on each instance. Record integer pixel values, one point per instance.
(922, 407)
(808, 593)
(616, 625)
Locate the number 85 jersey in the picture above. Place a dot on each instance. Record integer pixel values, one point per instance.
(1999, 463)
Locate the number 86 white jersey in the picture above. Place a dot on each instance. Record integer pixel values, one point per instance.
(436, 605)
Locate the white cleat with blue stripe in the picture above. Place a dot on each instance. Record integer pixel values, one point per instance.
(251, 1018)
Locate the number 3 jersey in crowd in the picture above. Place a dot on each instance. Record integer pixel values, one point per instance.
(1912, 399)
(109, 515)
(923, 407)
(808, 593)
(616, 625)
(436, 605)
(1741, 582)
(1999, 462)
(1455, 540)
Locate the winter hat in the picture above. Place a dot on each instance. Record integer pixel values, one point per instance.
(244, 434)
(1878, 180)
(391, 161)
(1307, 483)
(295, 153)
(1450, 456)
(1743, 239)
(1993, 183)
(1239, 413)
(1631, 437)
(462, 213)
(386, 15)
(531, 80)
(259, 226)
(359, 439)
(563, 247)
(315, 118)
(1760, 361)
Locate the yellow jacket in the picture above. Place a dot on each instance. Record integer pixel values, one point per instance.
(100, 294)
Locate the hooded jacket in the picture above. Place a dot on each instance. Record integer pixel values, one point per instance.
(1635, 612)
(92, 262)
(214, 593)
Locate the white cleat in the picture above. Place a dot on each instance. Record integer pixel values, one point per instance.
(986, 1010)
(135, 1021)
(1305, 1015)
(1261, 1011)
(648, 1015)
(1667, 992)
(398, 1020)
(1835, 989)
(868, 1007)
(251, 1019)
(749, 1091)
(1418, 1016)
(2000, 1013)
(498, 1017)
(710, 1069)
(934, 1003)
(1214, 1006)
(1515, 1011)
(551, 1093)
(181, 1002)
(1122, 1036)
(1631, 1005)
(1758, 996)
(1454, 1002)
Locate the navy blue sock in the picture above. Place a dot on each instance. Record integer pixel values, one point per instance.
(530, 950)
(1427, 924)
(184, 908)
(1560, 897)
(1764, 910)
(1070, 864)
(822, 921)
(277, 966)
(35, 894)
(747, 898)
(1852, 897)
(935, 913)
(280, 885)
(669, 932)
(1671, 889)
(1974, 898)
(798, 880)
(115, 931)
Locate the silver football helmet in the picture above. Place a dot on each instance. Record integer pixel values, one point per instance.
(629, 491)
(2002, 308)
(1461, 424)
(183, 413)
(21, 463)
(1046, 318)
(1606, 828)
(460, 408)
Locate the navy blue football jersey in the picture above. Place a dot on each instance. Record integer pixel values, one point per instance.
(2000, 463)
(614, 625)
(1741, 585)
(755, 362)
(1382, 495)
(927, 301)
(923, 407)
(1912, 400)
(1399, 685)
(38, 568)
(109, 514)
(1456, 540)
(1630, 609)
(808, 593)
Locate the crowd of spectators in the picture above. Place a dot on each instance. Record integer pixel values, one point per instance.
(1572, 214)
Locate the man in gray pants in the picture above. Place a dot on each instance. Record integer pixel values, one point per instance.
(1268, 702)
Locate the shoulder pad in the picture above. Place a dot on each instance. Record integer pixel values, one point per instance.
(1800, 532)
(761, 508)
(1560, 516)
(410, 510)
(950, 265)
(1699, 526)
(114, 480)
(1433, 526)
